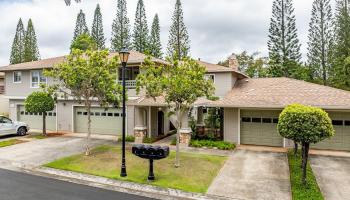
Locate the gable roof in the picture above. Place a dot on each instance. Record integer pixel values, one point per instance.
(213, 68)
(134, 58)
(281, 92)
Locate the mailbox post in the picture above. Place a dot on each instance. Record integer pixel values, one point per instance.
(151, 153)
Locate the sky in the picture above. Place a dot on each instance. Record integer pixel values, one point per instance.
(217, 28)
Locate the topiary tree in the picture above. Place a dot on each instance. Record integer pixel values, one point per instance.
(305, 124)
(40, 102)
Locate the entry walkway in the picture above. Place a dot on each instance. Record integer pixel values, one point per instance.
(254, 175)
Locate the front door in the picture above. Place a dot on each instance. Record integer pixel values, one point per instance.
(160, 123)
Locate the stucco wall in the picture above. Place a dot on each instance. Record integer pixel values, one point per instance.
(231, 125)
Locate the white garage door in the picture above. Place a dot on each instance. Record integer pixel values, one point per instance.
(341, 139)
(260, 128)
(35, 120)
(108, 122)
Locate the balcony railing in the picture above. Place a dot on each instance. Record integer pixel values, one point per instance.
(2, 89)
(130, 84)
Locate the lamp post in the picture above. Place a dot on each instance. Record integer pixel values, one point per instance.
(124, 56)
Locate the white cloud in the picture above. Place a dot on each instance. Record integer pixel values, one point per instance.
(216, 27)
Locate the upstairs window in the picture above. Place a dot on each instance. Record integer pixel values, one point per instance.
(17, 77)
(37, 78)
(210, 77)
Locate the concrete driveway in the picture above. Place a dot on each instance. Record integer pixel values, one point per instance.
(333, 176)
(254, 175)
(39, 152)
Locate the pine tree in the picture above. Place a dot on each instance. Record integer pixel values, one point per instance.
(31, 50)
(97, 29)
(80, 26)
(320, 41)
(121, 28)
(179, 43)
(283, 44)
(140, 36)
(17, 51)
(155, 46)
(340, 75)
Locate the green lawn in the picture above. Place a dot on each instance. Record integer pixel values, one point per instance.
(195, 174)
(299, 191)
(10, 142)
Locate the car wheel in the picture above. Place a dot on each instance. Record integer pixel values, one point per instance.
(22, 131)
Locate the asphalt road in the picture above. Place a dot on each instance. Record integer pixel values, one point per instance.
(20, 186)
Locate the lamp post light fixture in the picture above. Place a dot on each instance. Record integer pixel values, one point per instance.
(124, 57)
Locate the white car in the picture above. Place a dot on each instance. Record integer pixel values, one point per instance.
(7, 126)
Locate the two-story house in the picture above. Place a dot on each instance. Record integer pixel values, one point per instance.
(251, 107)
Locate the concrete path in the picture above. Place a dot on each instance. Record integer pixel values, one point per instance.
(333, 176)
(254, 175)
(39, 152)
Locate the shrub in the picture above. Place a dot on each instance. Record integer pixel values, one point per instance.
(305, 124)
(222, 145)
(128, 138)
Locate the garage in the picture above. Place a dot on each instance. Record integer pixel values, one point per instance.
(260, 128)
(103, 121)
(341, 139)
(35, 120)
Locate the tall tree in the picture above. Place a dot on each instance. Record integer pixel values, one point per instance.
(17, 51)
(140, 35)
(283, 44)
(155, 46)
(97, 29)
(80, 26)
(89, 77)
(31, 50)
(340, 75)
(180, 83)
(121, 28)
(320, 42)
(179, 42)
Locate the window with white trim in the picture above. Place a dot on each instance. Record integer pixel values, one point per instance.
(17, 77)
(37, 78)
(210, 77)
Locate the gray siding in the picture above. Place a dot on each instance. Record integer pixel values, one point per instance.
(224, 83)
(22, 89)
(4, 105)
(231, 125)
(130, 120)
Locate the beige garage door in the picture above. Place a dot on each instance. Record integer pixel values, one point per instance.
(260, 128)
(108, 122)
(341, 139)
(35, 120)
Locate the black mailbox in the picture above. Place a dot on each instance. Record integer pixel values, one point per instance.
(151, 153)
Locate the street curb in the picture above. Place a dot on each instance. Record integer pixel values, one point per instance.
(120, 186)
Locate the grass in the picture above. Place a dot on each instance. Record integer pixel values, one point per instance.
(10, 142)
(299, 191)
(194, 175)
(41, 136)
